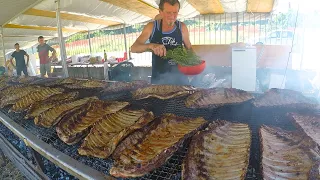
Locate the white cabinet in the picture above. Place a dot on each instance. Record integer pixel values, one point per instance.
(244, 66)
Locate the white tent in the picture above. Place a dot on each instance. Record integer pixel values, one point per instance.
(23, 21)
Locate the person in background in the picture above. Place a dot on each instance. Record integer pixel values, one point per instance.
(21, 65)
(9, 68)
(43, 52)
(165, 33)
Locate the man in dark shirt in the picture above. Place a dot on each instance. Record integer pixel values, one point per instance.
(20, 61)
(164, 33)
(43, 52)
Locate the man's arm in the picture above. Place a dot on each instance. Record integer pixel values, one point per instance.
(12, 56)
(12, 62)
(185, 35)
(38, 53)
(54, 53)
(140, 45)
(26, 54)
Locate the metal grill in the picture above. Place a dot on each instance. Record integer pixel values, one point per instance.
(15, 141)
(51, 170)
(243, 113)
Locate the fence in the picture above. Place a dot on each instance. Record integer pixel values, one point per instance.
(266, 28)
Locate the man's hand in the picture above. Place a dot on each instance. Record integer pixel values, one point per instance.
(28, 58)
(13, 65)
(158, 49)
(52, 57)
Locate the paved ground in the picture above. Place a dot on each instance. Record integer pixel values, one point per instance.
(8, 171)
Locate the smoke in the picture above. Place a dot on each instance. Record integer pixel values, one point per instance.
(171, 78)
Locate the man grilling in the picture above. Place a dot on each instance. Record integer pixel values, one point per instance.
(21, 65)
(165, 33)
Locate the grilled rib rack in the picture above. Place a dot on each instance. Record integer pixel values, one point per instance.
(243, 113)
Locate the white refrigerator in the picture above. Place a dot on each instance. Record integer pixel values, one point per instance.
(244, 68)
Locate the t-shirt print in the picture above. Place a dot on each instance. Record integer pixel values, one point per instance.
(169, 41)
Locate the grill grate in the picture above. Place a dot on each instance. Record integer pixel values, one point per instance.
(50, 170)
(16, 142)
(243, 113)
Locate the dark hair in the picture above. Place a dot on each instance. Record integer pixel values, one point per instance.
(40, 37)
(171, 2)
(16, 44)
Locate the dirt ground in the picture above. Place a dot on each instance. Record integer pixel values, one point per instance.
(8, 171)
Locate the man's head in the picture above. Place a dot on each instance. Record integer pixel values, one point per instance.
(169, 10)
(41, 40)
(17, 46)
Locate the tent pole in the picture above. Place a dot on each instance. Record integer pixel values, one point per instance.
(90, 46)
(125, 38)
(63, 52)
(237, 27)
(3, 48)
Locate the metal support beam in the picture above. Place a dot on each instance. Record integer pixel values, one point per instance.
(41, 28)
(3, 47)
(37, 158)
(17, 15)
(4, 159)
(125, 38)
(237, 27)
(63, 52)
(90, 46)
(23, 164)
(71, 17)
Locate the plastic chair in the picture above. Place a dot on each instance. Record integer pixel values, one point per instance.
(122, 72)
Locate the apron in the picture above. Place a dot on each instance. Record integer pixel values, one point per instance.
(166, 71)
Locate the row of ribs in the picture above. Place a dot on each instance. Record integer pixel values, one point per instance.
(86, 84)
(37, 108)
(139, 143)
(285, 98)
(221, 151)
(110, 130)
(34, 97)
(124, 87)
(217, 97)
(197, 98)
(150, 147)
(162, 92)
(52, 116)
(74, 126)
(288, 155)
(16, 94)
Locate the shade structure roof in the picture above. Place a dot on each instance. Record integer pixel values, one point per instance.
(23, 21)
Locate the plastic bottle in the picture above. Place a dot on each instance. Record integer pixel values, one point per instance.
(105, 56)
(130, 54)
(125, 56)
(105, 66)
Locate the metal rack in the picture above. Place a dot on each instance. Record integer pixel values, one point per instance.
(65, 162)
(46, 142)
(23, 164)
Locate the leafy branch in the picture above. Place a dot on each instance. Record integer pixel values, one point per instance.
(183, 56)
